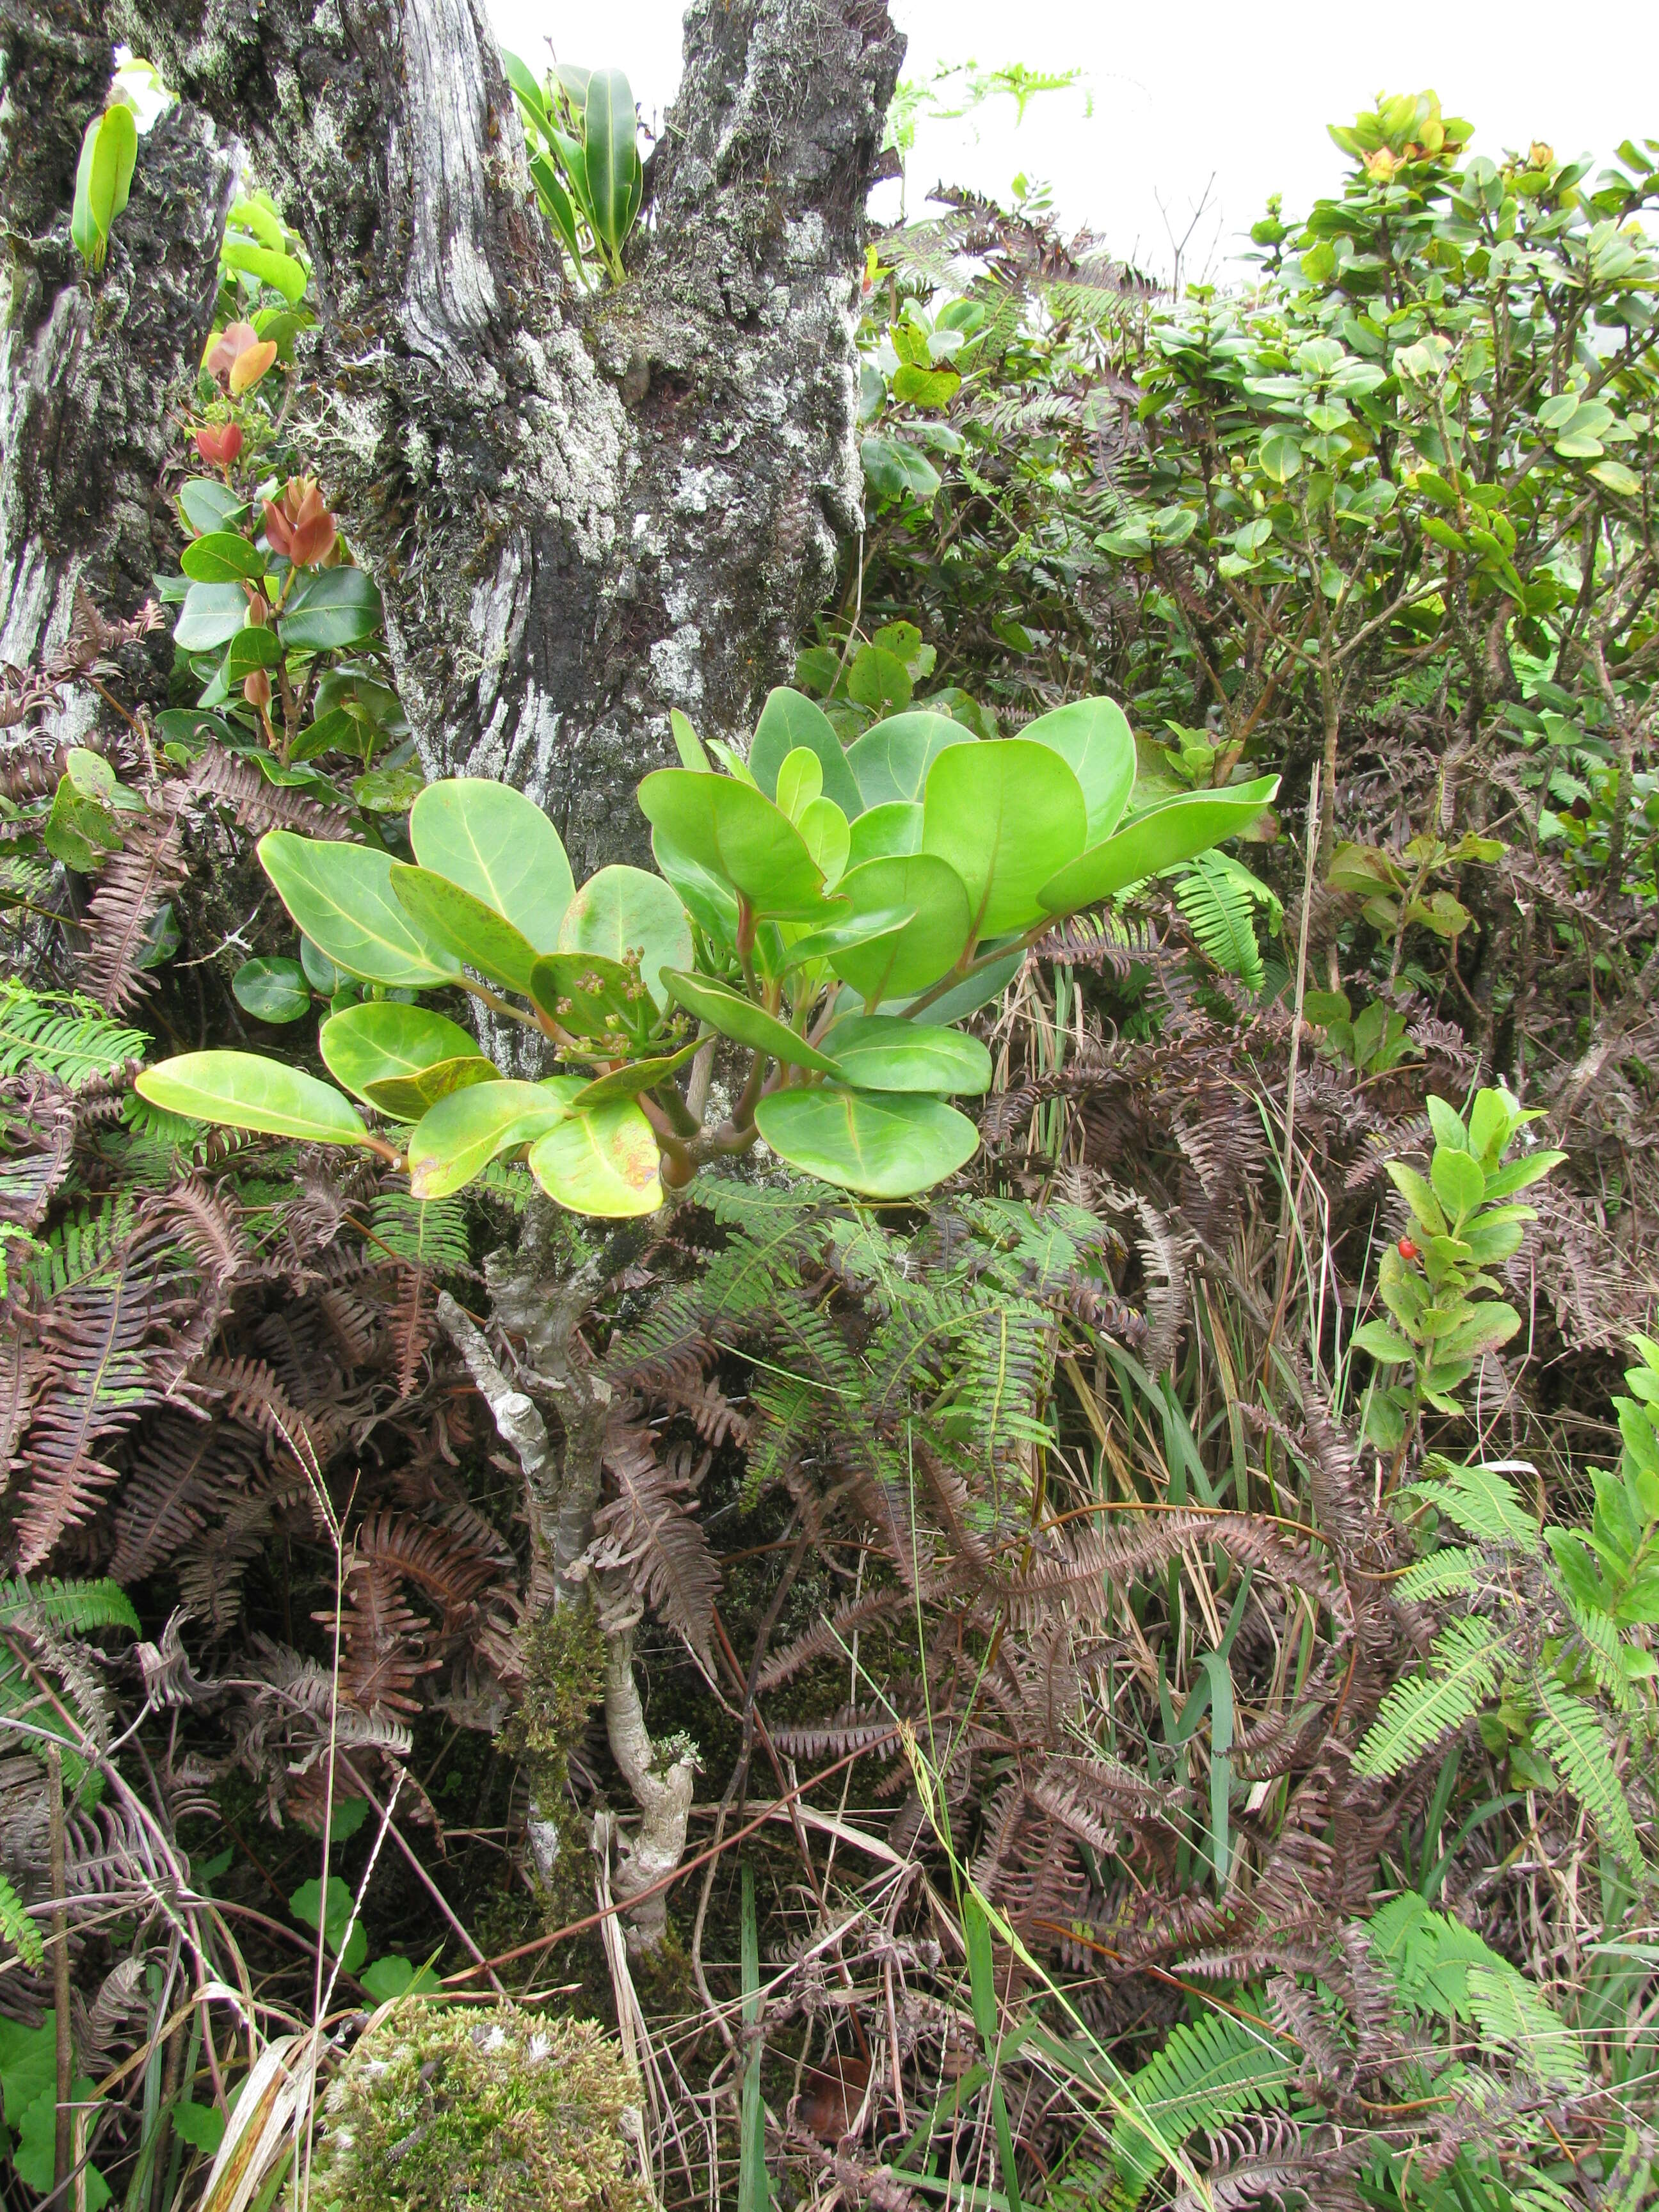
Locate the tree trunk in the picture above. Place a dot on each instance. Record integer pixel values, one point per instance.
(581, 510)
(91, 368)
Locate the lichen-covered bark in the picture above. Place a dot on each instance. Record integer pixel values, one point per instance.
(581, 511)
(91, 369)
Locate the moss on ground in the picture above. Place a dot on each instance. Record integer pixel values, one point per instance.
(451, 2108)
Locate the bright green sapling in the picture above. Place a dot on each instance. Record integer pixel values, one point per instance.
(834, 913)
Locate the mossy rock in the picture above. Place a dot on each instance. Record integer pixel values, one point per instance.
(457, 2108)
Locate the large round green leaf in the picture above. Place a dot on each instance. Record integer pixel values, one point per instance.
(738, 836)
(1178, 830)
(894, 826)
(741, 1020)
(885, 1143)
(884, 1052)
(407, 1097)
(210, 616)
(892, 761)
(1006, 816)
(604, 1162)
(272, 990)
(207, 505)
(221, 556)
(330, 608)
(622, 910)
(243, 1091)
(790, 718)
(910, 958)
(591, 996)
(1093, 736)
(342, 898)
(384, 1042)
(497, 844)
(473, 932)
(458, 1137)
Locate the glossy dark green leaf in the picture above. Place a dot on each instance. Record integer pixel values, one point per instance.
(207, 505)
(883, 1143)
(1006, 816)
(221, 557)
(745, 1022)
(1179, 829)
(473, 932)
(250, 649)
(622, 910)
(212, 615)
(271, 990)
(788, 720)
(921, 952)
(244, 1090)
(497, 844)
(334, 731)
(1093, 736)
(884, 1052)
(738, 835)
(456, 1140)
(384, 1041)
(341, 896)
(892, 761)
(602, 1162)
(331, 609)
(894, 826)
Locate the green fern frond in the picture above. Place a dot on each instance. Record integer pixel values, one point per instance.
(1461, 1673)
(80, 1247)
(1604, 1654)
(18, 1929)
(76, 1608)
(62, 1034)
(1570, 1732)
(1218, 898)
(1512, 2014)
(1454, 1572)
(430, 1233)
(1480, 1501)
(1209, 2074)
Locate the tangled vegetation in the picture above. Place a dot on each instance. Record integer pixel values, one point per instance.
(1089, 1647)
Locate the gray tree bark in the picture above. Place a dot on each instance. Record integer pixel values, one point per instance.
(92, 368)
(581, 510)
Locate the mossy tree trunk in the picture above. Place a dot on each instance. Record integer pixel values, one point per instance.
(581, 509)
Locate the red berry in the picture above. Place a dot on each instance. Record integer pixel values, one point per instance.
(219, 443)
(1407, 1249)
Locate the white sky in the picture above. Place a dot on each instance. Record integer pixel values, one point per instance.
(1196, 89)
